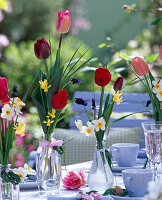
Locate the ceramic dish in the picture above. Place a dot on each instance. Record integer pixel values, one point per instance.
(126, 198)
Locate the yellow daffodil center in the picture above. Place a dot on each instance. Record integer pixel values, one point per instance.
(160, 93)
(7, 112)
(81, 181)
(20, 175)
(157, 85)
(44, 85)
(100, 124)
(89, 130)
(29, 167)
(117, 98)
(18, 100)
(20, 106)
(48, 122)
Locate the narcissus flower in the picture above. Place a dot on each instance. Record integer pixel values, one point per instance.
(159, 95)
(99, 124)
(89, 129)
(7, 112)
(44, 85)
(157, 86)
(102, 77)
(140, 66)
(48, 122)
(117, 98)
(59, 100)
(63, 22)
(79, 125)
(20, 129)
(42, 49)
(74, 181)
(3, 89)
(52, 113)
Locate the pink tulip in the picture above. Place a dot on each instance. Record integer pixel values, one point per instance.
(160, 52)
(140, 66)
(63, 22)
(74, 181)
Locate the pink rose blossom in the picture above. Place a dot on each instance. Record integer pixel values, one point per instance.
(30, 148)
(85, 196)
(74, 181)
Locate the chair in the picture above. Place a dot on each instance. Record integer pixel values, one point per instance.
(130, 104)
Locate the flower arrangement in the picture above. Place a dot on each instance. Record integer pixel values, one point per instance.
(153, 86)
(10, 125)
(73, 181)
(51, 97)
(99, 126)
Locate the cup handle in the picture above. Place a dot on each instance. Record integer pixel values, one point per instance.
(127, 184)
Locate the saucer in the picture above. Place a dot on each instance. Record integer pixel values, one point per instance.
(138, 165)
(126, 198)
(29, 185)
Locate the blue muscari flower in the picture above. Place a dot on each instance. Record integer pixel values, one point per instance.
(80, 101)
(75, 81)
(14, 93)
(0, 108)
(148, 103)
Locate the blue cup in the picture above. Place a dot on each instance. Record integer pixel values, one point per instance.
(125, 154)
(136, 181)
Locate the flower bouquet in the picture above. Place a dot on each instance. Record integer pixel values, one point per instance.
(100, 177)
(10, 123)
(50, 98)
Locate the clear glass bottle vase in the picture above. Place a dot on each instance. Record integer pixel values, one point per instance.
(100, 177)
(8, 191)
(48, 167)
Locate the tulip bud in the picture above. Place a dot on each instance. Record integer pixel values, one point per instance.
(140, 66)
(118, 83)
(3, 89)
(59, 100)
(63, 22)
(102, 77)
(160, 52)
(42, 49)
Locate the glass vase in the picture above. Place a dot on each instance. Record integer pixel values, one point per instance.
(100, 177)
(48, 167)
(8, 191)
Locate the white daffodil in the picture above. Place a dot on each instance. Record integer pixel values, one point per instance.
(159, 95)
(22, 174)
(157, 86)
(89, 129)
(7, 112)
(99, 124)
(17, 103)
(79, 125)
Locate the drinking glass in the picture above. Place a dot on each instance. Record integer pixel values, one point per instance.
(153, 142)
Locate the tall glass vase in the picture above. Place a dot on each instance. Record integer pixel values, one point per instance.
(48, 167)
(100, 177)
(8, 191)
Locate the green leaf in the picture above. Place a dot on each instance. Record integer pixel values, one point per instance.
(37, 98)
(102, 45)
(65, 116)
(106, 104)
(55, 86)
(156, 21)
(151, 58)
(108, 192)
(56, 66)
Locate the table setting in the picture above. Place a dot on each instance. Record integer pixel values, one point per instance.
(123, 172)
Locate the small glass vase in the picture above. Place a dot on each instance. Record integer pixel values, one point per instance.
(8, 191)
(100, 177)
(48, 167)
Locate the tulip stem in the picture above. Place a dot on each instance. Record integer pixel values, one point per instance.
(60, 41)
(101, 102)
(46, 68)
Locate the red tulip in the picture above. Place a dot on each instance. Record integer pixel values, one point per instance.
(140, 66)
(42, 49)
(3, 89)
(59, 100)
(118, 83)
(102, 76)
(63, 22)
(160, 52)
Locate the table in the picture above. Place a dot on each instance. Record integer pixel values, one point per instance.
(33, 194)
